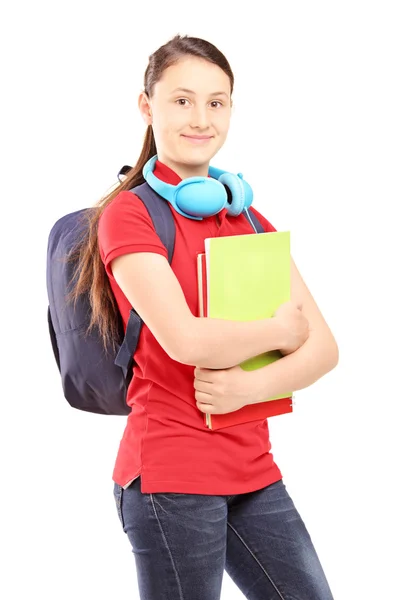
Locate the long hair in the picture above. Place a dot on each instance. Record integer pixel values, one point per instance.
(89, 274)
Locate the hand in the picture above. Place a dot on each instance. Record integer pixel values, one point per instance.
(295, 326)
(220, 391)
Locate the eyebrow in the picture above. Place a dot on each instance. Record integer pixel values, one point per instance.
(181, 89)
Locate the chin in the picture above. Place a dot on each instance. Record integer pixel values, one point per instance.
(198, 158)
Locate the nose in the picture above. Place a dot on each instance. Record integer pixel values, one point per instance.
(199, 117)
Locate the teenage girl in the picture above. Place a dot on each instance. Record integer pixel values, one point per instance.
(193, 501)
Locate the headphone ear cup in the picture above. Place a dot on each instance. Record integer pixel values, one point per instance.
(200, 197)
(237, 190)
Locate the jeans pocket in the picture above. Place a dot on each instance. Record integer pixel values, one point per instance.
(118, 493)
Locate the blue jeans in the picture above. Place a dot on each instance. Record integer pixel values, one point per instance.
(183, 542)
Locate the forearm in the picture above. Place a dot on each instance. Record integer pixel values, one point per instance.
(221, 344)
(296, 371)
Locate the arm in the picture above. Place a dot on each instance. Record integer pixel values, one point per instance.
(221, 344)
(152, 288)
(225, 390)
(315, 358)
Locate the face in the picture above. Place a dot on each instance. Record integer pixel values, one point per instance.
(190, 112)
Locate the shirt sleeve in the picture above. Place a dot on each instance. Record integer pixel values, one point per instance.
(268, 227)
(125, 226)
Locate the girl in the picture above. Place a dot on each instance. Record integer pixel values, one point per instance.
(193, 501)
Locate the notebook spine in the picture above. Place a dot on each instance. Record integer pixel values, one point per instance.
(202, 297)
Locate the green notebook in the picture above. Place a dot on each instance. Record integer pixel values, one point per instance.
(248, 278)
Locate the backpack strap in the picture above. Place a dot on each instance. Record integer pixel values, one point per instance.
(259, 227)
(163, 221)
(161, 214)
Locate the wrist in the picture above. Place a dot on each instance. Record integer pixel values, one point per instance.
(280, 337)
(258, 385)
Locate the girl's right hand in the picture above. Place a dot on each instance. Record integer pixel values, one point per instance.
(294, 325)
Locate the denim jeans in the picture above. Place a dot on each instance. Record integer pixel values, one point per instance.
(183, 542)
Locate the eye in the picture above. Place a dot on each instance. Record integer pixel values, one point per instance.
(216, 102)
(181, 100)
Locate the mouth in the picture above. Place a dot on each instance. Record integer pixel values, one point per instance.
(198, 139)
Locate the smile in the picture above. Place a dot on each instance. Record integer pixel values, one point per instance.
(197, 139)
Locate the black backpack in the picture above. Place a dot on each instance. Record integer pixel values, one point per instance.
(93, 379)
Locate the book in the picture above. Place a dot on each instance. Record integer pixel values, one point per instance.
(242, 279)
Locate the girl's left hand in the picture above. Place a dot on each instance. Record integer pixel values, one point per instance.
(220, 391)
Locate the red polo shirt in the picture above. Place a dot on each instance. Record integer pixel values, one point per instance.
(165, 439)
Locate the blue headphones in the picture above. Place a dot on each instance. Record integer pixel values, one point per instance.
(199, 197)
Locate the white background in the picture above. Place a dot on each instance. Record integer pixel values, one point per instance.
(316, 131)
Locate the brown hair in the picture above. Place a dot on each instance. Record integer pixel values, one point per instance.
(90, 275)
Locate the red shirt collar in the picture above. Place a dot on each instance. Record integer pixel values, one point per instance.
(166, 173)
(161, 171)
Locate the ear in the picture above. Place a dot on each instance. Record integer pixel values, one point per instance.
(145, 108)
